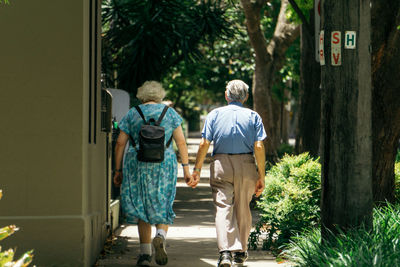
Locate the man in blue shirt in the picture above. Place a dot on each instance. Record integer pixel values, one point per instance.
(237, 133)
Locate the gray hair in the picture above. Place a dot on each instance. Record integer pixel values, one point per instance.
(151, 91)
(237, 90)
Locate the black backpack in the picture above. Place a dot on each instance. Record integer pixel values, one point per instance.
(151, 139)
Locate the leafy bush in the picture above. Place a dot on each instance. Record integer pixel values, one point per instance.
(398, 156)
(397, 180)
(285, 149)
(7, 257)
(290, 201)
(357, 247)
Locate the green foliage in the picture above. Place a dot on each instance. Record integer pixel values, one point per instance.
(143, 40)
(7, 257)
(305, 7)
(284, 149)
(397, 176)
(397, 180)
(356, 247)
(197, 85)
(191, 84)
(290, 201)
(5, 2)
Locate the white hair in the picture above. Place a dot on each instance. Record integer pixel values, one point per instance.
(237, 90)
(151, 91)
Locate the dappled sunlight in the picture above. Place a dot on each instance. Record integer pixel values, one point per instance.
(192, 231)
(191, 239)
(210, 262)
(183, 184)
(194, 200)
(197, 210)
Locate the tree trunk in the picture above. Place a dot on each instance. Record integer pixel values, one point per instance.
(346, 119)
(268, 61)
(386, 95)
(308, 135)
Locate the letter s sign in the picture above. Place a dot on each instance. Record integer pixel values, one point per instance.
(336, 37)
(336, 50)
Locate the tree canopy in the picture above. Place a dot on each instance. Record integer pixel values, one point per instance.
(143, 40)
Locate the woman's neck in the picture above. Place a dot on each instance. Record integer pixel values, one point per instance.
(149, 102)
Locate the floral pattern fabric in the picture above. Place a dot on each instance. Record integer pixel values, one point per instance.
(148, 189)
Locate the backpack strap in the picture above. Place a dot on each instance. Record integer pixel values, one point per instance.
(141, 114)
(133, 143)
(159, 122)
(162, 115)
(169, 141)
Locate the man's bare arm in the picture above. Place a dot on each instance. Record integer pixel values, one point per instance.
(259, 152)
(201, 155)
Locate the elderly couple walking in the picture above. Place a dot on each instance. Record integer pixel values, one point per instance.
(237, 172)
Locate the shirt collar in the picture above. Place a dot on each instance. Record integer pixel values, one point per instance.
(236, 103)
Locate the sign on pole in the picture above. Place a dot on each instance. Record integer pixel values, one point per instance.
(321, 51)
(350, 40)
(336, 51)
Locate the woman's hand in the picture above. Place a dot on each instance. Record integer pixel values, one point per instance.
(189, 179)
(118, 179)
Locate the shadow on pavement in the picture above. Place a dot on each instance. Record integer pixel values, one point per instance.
(191, 240)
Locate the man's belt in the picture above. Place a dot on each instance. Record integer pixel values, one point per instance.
(248, 153)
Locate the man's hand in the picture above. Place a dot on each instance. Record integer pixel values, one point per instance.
(195, 178)
(118, 179)
(260, 186)
(189, 181)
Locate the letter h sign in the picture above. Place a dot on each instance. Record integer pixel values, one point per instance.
(350, 40)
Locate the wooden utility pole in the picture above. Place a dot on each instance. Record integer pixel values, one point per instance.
(346, 114)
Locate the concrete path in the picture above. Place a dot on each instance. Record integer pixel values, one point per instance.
(191, 240)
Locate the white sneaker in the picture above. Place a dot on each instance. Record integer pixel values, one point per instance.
(160, 252)
(144, 260)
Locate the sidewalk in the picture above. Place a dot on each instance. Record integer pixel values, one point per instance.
(192, 237)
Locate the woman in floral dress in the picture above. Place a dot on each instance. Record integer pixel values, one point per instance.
(148, 189)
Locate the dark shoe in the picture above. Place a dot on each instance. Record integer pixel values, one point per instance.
(225, 259)
(161, 253)
(144, 260)
(240, 257)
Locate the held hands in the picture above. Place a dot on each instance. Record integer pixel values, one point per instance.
(192, 179)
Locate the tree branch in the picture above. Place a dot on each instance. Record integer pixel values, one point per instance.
(257, 39)
(302, 18)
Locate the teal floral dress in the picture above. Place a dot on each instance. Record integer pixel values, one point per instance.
(148, 189)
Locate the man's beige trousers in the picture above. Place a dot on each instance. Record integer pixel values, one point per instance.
(233, 180)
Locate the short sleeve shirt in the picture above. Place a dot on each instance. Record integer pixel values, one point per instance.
(233, 129)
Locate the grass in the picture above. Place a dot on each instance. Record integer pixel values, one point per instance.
(357, 247)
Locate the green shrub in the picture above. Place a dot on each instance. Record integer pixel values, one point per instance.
(397, 180)
(7, 257)
(290, 201)
(284, 149)
(358, 247)
(398, 156)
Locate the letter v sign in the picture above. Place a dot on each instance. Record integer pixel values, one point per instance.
(336, 52)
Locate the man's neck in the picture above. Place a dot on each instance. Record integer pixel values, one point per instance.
(237, 103)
